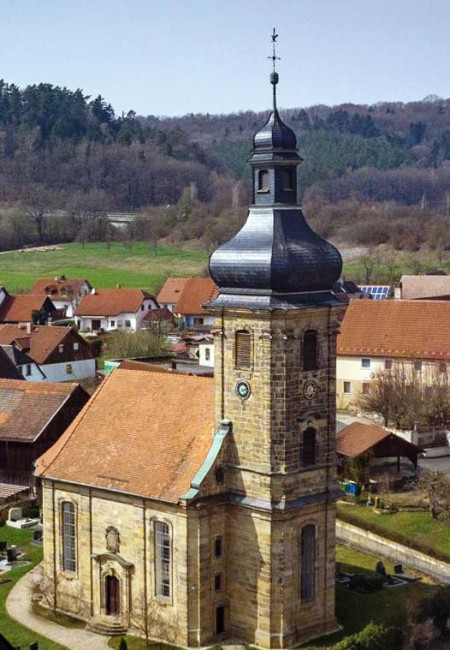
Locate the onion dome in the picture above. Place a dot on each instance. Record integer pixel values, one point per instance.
(275, 253)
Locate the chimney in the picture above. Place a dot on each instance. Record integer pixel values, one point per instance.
(28, 328)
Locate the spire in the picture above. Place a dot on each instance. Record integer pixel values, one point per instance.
(274, 74)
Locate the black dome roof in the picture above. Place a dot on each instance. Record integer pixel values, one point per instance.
(275, 134)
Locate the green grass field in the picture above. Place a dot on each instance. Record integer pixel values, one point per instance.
(15, 633)
(354, 610)
(104, 267)
(419, 527)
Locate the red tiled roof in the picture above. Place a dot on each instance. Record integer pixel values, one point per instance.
(19, 308)
(171, 291)
(26, 407)
(111, 302)
(59, 288)
(196, 292)
(43, 341)
(396, 328)
(145, 433)
(358, 438)
(158, 315)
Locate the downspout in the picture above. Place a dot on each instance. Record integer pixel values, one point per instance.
(144, 524)
(55, 598)
(91, 567)
(222, 373)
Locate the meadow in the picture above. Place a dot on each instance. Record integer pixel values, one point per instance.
(104, 265)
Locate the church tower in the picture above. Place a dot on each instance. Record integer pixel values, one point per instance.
(275, 344)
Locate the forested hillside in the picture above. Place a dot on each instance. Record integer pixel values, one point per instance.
(371, 174)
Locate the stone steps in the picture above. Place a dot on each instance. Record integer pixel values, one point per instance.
(107, 628)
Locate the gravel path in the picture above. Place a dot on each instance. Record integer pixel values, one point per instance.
(18, 606)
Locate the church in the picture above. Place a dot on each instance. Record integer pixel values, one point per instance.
(191, 509)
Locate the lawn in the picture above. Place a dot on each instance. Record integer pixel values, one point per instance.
(414, 528)
(354, 610)
(15, 633)
(103, 266)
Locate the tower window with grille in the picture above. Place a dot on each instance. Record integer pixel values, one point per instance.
(310, 350)
(263, 180)
(243, 349)
(68, 525)
(163, 560)
(307, 563)
(309, 447)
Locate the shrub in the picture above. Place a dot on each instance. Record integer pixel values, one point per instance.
(123, 645)
(373, 637)
(96, 347)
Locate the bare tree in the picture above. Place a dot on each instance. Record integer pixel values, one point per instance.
(149, 621)
(38, 201)
(437, 488)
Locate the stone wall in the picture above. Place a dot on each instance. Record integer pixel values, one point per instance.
(377, 545)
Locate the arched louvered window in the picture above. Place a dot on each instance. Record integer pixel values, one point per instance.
(309, 447)
(310, 350)
(288, 179)
(263, 180)
(68, 535)
(243, 349)
(307, 563)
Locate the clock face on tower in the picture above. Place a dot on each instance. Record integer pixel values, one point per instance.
(243, 389)
(309, 389)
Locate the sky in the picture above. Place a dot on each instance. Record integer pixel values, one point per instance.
(172, 57)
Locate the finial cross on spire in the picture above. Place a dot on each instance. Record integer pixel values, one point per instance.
(274, 56)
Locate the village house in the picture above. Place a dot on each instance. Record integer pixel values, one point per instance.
(205, 508)
(185, 298)
(423, 287)
(49, 352)
(24, 365)
(26, 308)
(114, 309)
(8, 369)
(65, 293)
(383, 335)
(32, 418)
(196, 292)
(171, 292)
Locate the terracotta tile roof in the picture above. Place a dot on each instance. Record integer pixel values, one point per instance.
(8, 369)
(60, 288)
(158, 315)
(359, 437)
(171, 291)
(195, 293)
(19, 308)
(144, 433)
(26, 407)
(406, 329)
(43, 341)
(111, 302)
(424, 286)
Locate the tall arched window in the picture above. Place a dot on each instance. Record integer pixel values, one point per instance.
(243, 349)
(163, 560)
(263, 180)
(310, 350)
(68, 535)
(307, 563)
(309, 447)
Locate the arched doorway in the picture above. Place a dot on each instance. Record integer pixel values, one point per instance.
(112, 596)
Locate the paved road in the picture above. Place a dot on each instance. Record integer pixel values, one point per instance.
(18, 606)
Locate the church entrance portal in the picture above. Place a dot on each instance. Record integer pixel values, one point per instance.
(112, 595)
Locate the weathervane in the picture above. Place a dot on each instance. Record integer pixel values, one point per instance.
(274, 56)
(274, 73)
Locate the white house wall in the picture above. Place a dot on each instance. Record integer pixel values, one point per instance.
(110, 323)
(82, 369)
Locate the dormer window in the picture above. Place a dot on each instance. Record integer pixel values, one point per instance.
(263, 180)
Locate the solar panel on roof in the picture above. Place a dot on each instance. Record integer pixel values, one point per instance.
(377, 291)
